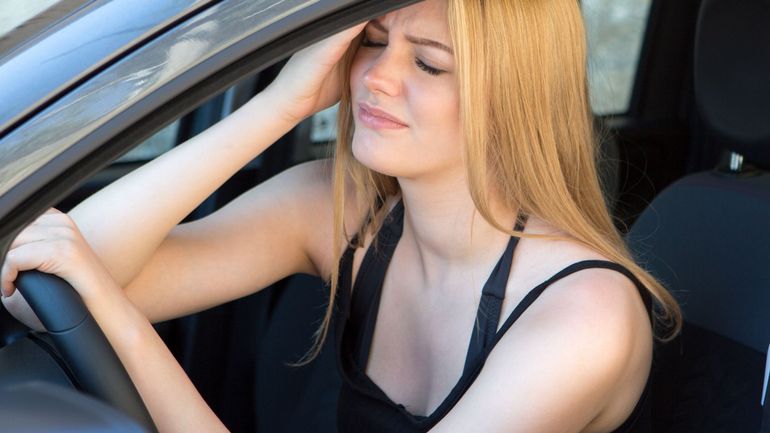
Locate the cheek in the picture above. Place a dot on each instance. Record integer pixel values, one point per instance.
(357, 68)
(436, 107)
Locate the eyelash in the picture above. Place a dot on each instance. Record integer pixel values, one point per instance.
(366, 42)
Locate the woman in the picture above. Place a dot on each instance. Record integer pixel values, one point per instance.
(459, 121)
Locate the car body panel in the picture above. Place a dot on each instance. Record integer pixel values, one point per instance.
(81, 121)
(69, 51)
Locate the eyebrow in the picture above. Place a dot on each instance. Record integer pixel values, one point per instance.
(415, 40)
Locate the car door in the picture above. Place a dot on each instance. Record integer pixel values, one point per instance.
(106, 99)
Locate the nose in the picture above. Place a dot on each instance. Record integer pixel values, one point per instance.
(383, 74)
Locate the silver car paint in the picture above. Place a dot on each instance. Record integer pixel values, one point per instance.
(81, 112)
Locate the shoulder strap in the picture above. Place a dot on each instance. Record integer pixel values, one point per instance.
(491, 302)
(365, 301)
(535, 293)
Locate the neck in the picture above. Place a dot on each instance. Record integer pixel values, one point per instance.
(444, 228)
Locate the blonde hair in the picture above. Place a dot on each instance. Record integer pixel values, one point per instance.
(528, 133)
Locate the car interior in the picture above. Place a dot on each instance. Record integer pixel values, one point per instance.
(684, 164)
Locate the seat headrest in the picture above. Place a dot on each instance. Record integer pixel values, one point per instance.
(732, 75)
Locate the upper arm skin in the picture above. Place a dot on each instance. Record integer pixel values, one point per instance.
(274, 230)
(563, 362)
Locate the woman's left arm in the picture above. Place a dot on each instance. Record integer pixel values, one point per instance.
(54, 245)
(562, 364)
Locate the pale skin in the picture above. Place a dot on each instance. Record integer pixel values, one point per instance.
(576, 361)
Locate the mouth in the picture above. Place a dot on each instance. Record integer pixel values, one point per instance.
(374, 118)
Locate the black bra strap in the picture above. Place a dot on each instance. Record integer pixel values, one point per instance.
(569, 270)
(366, 301)
(491, 302)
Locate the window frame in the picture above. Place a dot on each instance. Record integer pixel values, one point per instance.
(57, 177)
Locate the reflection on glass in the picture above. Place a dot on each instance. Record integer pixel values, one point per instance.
(154, 146)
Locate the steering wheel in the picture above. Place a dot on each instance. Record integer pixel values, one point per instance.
(82, 343)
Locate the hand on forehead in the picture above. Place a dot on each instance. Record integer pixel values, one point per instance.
(425, 21)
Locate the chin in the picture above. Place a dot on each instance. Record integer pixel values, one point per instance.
(395, 158)
(377, 153)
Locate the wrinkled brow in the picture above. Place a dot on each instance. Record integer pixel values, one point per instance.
(415, 40)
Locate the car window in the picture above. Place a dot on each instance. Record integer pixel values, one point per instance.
(201, 118)
(323, 133)
(154, 146)
(615, 30)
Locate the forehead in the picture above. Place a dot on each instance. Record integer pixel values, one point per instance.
(427, 18)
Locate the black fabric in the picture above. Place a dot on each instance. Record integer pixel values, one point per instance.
(291, 398)
(363, 406)
(491, 302)
(706, 239)
(766, 412)
(706, 383)
(732, 65)
(373, 266)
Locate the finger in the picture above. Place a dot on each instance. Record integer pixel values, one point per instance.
(348, 34)
(331, 49)
(25, 258)
(52, 219)
(7, 277)
(49, 212)
(356, 29)
(38, 233)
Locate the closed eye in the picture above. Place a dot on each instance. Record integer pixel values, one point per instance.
(429, 69)
(368, 43)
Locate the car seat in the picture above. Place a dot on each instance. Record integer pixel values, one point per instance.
(291, 398)
(707, 236)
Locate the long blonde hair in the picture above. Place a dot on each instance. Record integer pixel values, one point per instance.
(528, 133)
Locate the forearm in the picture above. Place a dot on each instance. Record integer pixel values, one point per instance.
(169, 395)
(126, 221)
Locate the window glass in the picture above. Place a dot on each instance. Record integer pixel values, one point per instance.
(615, 30)
(323, 126)
(154, 146)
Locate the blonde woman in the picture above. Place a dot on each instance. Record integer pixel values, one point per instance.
(478, 283)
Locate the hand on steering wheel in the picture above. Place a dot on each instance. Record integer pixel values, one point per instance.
(54, 245)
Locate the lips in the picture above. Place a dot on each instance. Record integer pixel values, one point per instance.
(377, 119)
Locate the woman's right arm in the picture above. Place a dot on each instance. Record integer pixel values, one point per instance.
(264, 235)
(166, 269)
(128, 220)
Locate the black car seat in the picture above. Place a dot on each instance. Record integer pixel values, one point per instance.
(707, 236)
(291, 398)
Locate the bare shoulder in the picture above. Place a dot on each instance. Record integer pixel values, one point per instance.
(576, 361)
(593, 325)
(307, 189)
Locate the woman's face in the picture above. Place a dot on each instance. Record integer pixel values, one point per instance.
(404, 94)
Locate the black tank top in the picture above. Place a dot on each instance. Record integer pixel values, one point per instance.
(363, 407)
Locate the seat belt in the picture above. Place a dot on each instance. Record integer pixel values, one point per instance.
(766, 407)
